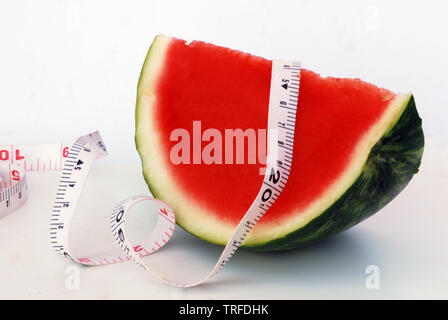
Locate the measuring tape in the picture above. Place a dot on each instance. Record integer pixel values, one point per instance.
(76, 159)
(15, 160)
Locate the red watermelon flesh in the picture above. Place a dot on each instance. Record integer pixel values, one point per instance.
(338, 123)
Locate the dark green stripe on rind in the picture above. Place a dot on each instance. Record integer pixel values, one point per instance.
(390, 166)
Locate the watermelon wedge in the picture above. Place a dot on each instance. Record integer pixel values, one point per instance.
(356, 145)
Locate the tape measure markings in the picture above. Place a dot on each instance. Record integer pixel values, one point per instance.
(77, 159)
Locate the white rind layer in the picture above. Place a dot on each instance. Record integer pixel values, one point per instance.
(198, 219)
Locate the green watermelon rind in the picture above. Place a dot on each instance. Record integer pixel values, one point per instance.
(137, 104)
(390, 165)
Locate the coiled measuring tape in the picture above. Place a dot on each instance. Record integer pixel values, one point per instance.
(75, 160)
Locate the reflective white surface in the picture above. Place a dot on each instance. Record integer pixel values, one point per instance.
(407, 241)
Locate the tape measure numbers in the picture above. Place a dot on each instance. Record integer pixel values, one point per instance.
(76, 161)
(15, 160)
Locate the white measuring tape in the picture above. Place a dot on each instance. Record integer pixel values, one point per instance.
(76, 159)
(15, 160)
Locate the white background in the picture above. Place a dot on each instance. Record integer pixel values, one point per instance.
(71, 67)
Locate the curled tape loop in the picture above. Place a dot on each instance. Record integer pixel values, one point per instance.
(77, 160)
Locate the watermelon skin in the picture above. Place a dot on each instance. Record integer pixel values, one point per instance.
(390, 166)
(391, 163)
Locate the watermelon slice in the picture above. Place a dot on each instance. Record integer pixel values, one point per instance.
(356, 145)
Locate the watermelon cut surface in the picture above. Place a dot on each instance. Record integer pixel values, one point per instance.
(356, 145)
